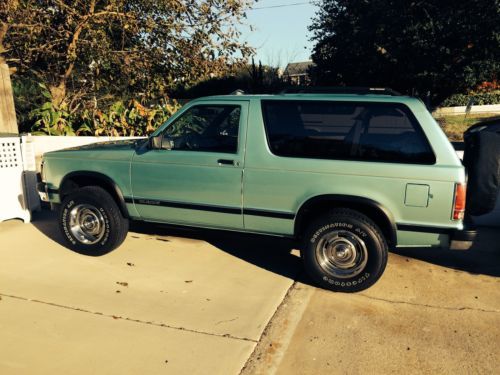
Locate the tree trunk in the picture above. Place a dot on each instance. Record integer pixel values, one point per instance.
(4, 27)
(8, 121)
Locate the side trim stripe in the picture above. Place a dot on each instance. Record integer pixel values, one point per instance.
(424, 229)
(275, 214)
(202, 207)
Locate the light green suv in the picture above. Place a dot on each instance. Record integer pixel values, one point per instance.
(349, 175)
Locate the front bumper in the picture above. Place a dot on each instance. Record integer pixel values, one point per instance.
(43, 191)
(46, 193)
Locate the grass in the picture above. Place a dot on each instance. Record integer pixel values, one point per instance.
(455, 125)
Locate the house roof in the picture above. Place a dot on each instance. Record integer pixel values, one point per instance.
(298, 68)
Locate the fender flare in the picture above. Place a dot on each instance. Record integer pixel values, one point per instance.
(350, 201)
(109, 182)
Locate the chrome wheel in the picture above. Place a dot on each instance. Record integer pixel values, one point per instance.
(341, 254)
(87, 224)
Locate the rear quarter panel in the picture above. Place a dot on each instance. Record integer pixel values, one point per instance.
(283, 184)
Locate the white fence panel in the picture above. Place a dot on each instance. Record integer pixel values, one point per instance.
(489, 108)
(12, 197)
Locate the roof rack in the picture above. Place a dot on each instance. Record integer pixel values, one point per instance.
(340, 90)
(238, 92)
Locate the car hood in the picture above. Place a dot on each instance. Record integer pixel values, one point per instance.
(122, 149)
(103, 146)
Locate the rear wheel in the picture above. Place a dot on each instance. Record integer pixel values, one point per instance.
(344, 251)
(91, 222)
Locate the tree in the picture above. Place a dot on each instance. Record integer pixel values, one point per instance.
(94, 49)
(251, 78)
(440, 46)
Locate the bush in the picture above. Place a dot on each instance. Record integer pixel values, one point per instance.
(125, 119)
(121, 118)
(480, 98)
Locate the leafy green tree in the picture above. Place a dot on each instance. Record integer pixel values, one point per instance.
(96, 50)
(440, 46)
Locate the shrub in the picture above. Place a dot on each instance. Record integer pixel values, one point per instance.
(120, 119)
(479, 98)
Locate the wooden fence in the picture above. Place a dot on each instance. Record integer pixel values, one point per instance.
(8, 122)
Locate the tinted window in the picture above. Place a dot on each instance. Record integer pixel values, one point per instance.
(345, 130)
(212, 128)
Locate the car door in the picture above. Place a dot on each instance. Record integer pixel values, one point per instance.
(197, 178)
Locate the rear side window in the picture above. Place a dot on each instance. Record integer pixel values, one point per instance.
(385, 132)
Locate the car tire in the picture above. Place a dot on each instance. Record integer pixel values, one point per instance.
(91, 222)
(344, 251)
(482, 160)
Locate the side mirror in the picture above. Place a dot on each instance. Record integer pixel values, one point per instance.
(158, 142)
(155, 142)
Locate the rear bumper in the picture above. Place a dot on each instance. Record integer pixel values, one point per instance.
(463, 239)
(456, 239)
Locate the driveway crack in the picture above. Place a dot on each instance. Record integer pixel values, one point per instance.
(227, 321)
(117, 317)
(429, 306)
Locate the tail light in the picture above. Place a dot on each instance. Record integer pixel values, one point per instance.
(459, 202)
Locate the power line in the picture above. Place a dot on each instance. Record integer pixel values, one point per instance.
(281, 6)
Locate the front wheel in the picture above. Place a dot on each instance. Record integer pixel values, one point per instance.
(344, 251)
(91, 222)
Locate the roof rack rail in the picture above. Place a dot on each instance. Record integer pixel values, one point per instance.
(238, 92)
(340, 90)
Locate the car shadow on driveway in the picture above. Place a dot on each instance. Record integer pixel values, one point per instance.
(270, 253)
(275, 254)
(482, 258)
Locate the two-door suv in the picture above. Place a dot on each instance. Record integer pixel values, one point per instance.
(350, 175)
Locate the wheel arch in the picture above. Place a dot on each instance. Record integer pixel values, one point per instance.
(321, 204)
(78, 179)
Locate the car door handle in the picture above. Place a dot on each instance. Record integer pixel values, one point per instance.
(225, 162)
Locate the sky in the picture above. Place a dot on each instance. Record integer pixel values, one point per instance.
(280, 32)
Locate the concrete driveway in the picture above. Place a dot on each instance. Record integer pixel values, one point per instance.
(186, 302)
(432, 312)
(158, 304)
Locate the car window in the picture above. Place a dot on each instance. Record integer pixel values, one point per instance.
(212, 128)
(386, 132)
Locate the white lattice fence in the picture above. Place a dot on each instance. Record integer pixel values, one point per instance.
(12, 197)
